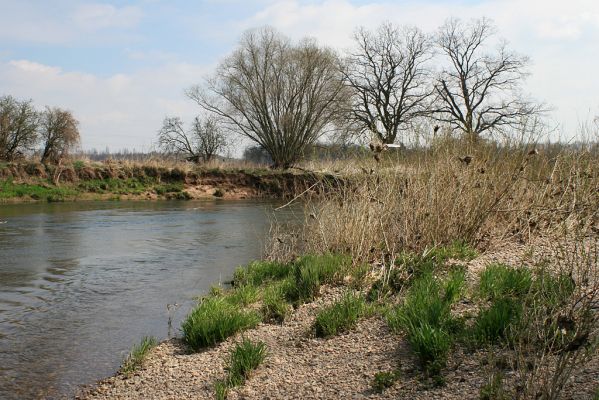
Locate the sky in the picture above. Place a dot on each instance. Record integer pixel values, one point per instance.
(122, 66)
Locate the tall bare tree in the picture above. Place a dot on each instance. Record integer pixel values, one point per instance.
(279, 94)
(479, 91)
(18, 127)
(202, 142)
(59, 132)
(388, 76)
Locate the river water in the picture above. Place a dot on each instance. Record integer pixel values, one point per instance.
(80, 283)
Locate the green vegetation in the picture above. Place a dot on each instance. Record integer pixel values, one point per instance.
(244, 358)
(384, 380)
(311, 271)
(259, 273)
(425, 316)
(274, 305)
(341, 316)
(213, 320)
(493, 389)
(243, 295)
(500, 281)
(50, 193)
(137, 355)
(491, 324)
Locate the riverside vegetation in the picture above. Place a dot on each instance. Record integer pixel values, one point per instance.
(406, 244)
(116, 180)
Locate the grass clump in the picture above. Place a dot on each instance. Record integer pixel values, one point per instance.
(384, 380)
(340, 317)
(244, 358)
(500, 281)
(274, 304)
(492, 324)
(243, 295)
(213, 320)
(258, 273)
(425, 317)
(493, 389)
(311, 271)
(137, 355)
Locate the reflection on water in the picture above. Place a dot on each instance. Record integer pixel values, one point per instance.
(80, 283)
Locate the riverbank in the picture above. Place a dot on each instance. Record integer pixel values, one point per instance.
(375, 357)
(28, 182)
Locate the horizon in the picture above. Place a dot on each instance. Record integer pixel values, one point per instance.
(122, 66)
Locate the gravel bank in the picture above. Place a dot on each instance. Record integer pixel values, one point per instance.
(300, 366)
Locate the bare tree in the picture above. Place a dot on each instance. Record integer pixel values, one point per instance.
(202, 142)
(478, 92)
(388, 76)
(18, 127)
(279, 94)
(59, 132)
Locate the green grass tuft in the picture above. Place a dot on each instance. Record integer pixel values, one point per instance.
(384, 380)
(260, 272)
(139, 352)
(242, 295)
(425, 316)
(243, 359)
(274, 305)
(499, 281)
(492, 324)
(340, 317)
(214, 320)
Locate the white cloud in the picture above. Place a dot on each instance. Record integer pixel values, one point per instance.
(101, 16)
(66, 22)
(123, 110)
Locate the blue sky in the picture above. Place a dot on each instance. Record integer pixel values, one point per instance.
(121, 66)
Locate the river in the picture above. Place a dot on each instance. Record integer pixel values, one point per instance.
(80, 283)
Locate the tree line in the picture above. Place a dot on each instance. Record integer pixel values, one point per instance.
(52, 132)
(285, 95)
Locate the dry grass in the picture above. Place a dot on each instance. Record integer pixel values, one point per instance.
(452, 191)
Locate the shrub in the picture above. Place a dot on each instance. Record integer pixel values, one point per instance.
(139, 352)
(498, 280)
(213, 320)
(339, 317)
(384, 380)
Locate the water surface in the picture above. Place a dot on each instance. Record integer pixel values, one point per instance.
(80, 283)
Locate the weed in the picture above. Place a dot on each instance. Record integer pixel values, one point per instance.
(219, 193)
(213, 320)
(339, 317)
(384, 380)
(139, 352)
